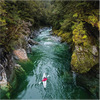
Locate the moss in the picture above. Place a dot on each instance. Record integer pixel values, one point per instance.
(85, 44)
(2, 22)
(84, 64)
(75, 31)
(8, 95)
(59, 34)
(56, 32)
(83, 60)
(66, 37)
(75, 15)
(92, 20)
(84, 37)
(80, 36)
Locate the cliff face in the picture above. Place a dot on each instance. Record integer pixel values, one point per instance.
(6, 64)
(9, 70)
(7, 73)
(85, 54)
(86, 40)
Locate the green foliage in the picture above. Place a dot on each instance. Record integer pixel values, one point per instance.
(92, 19)
(71, 16)
(2, 22)
(8, 95)
(33, 11)
(66, 25)
(2, 12)
(80, 35)
(16, 18)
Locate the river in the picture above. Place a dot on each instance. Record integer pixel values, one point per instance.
(53, 58)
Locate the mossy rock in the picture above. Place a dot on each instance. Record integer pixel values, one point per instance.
(83, 59)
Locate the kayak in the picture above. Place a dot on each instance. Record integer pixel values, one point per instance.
(44, 82)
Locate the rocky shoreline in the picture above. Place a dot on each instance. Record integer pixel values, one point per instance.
(9, 69)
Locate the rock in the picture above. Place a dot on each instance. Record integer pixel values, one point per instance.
(21, 54)
(83, 59)
(28, 50)
(31, 37)
(32, 42)
(15, 57)
(17, 65)
(85, 55)
(1, 67)
(4, 79)
(94, 51)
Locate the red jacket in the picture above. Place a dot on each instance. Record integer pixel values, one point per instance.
(44, 79)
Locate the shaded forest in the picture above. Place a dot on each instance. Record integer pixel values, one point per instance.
(17, 18)
(66, 17)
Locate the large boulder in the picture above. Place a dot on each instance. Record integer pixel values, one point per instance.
(83, 59)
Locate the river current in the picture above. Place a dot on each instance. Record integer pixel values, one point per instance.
(53, 58)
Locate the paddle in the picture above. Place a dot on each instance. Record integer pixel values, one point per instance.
(41, 81)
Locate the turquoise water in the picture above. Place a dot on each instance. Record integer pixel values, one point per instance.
(53, 58)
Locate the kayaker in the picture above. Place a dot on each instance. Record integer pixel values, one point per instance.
(44, 79)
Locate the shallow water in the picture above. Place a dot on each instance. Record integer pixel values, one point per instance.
(53, 58)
